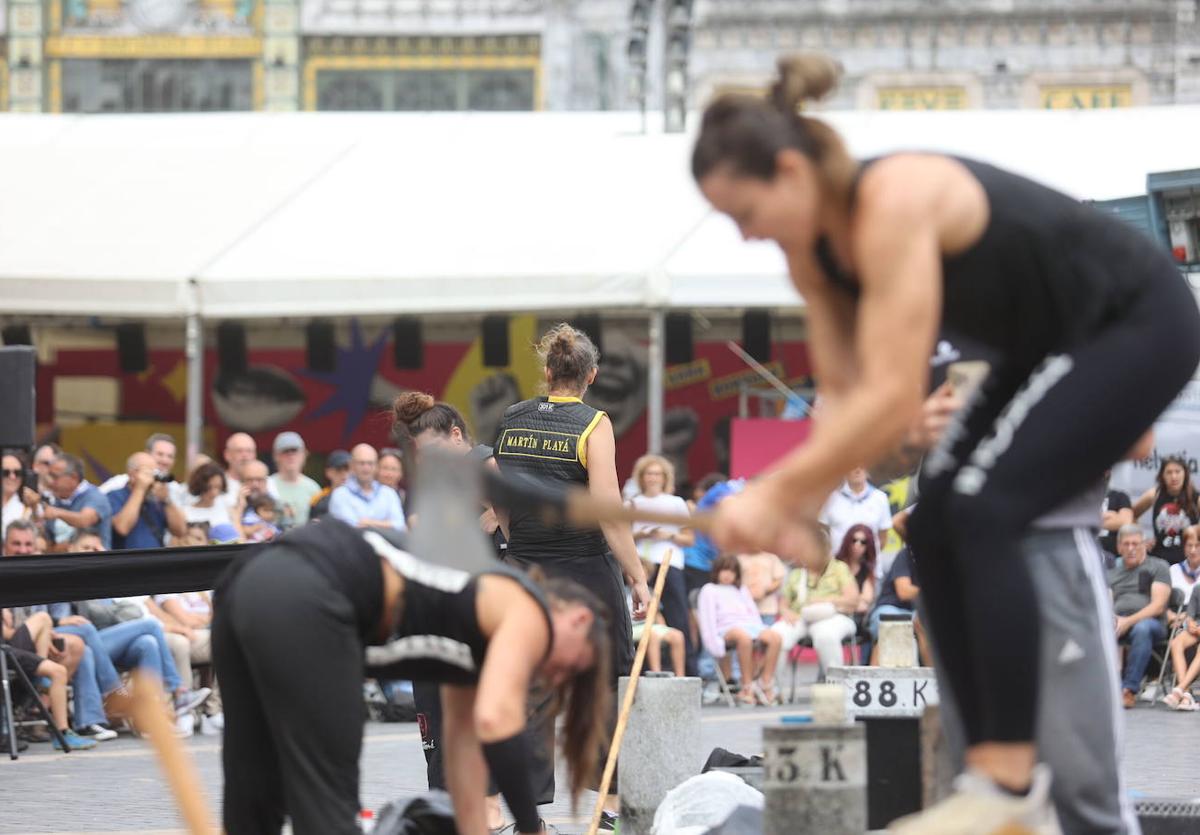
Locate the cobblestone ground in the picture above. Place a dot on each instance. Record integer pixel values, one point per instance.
(116, 787)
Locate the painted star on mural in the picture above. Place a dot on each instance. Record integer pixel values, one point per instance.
(354, 369)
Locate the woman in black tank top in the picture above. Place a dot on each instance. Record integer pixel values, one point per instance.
(1075, 306)
(1173, 507)
(298, 622)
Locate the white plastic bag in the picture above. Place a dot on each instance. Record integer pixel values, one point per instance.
(702, 802)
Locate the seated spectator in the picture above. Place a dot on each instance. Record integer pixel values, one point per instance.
(187, 619)
(17, 501)
(857, 551)
(294, 489)
(210, 502)
(763, 574)
(1180, 698)
(660, 633)
(897, 596)
(20, 539)
(391, 471)
(196, 534)
(260, 521)
(143, 510)
(1185, 575)
(31, 643)
(817, 604)
(362, 501)
(77, 504)
(337, 472)
(43, 458)
(729, 617)
(1141, 587)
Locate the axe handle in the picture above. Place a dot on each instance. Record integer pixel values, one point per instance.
(583, 509)
(610, 765)
(181, 773)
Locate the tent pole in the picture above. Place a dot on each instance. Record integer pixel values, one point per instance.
(655, 359)
(194, 348)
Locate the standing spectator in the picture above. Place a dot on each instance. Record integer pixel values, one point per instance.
(78, 504)
(161, 448)
(362, 501)
(1175, 509)
(239, 450)
(17, 499)
(337, 473)
(294, 489)
(1184, 575)
(1141, 587)
(655, 480)
(729, 618)
(698, 559)
(143, 511)
(818, 602)
(210, 502)
(858, 502)
(1116, 512)
(391, 471)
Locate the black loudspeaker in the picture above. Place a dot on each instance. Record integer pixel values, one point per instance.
(589, 323)
(679, 338)
(408, 343)
(17, 335)
(495, 342)
(320, 347)
(756, 334)
(131, 348)
(18, 370)
(231, 347)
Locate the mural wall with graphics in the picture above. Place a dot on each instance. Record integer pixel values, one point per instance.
(336, 410)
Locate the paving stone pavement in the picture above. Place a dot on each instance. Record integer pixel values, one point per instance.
(116, 787)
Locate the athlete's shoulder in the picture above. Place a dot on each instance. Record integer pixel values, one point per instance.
(521, 407)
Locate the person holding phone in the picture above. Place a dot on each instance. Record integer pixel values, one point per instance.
(888, 253)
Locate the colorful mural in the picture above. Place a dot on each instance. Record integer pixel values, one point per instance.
(349, 405)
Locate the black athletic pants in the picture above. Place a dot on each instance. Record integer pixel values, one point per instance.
(428, 699)
(290, 662)
(1025, 444)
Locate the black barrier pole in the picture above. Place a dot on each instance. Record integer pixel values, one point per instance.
(53, 578)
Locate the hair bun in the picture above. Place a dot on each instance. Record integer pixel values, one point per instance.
(410, 405)
(803, 77)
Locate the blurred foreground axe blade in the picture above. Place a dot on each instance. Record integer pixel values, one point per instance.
(449, 499)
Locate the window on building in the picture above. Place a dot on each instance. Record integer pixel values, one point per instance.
(425, 90)
(156, 86)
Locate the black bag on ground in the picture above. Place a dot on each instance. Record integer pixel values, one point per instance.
(428, 814)
(720, 758)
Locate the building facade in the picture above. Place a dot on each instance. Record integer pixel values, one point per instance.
(90, 56)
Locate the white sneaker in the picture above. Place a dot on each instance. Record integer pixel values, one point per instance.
(212, 725)
(185, 725)
(189, 700)
(979, 807)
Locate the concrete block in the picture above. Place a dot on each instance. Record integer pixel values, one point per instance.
(815, 779)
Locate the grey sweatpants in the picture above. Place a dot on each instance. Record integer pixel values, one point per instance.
(1079, 723)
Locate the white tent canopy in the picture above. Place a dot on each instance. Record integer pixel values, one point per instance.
(244, 215)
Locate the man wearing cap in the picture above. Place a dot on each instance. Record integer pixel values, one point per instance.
(337, 471)
(294, 489)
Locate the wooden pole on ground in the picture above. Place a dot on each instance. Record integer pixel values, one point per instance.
(152, 721)
(610, 765)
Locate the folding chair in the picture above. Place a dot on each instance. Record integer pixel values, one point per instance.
(1162, 653)
(758, 650)
(10, 668)
(793, 660)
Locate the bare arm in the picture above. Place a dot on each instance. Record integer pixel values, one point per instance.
(179, 613)
(126, 518)
(1115, 519)
(1143, 503)
(906, 590)
(86, 518)
(603, 484)
(466, 772)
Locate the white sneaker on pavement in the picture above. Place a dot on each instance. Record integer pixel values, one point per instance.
(979, 807)
(212, 725)
(185, 725)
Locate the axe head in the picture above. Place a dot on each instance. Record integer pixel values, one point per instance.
(448, 503)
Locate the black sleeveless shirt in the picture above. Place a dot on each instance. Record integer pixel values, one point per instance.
(546, 438)
(1047, 272)
(1171, 517)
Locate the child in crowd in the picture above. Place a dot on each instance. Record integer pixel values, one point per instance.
(260, 523)
(729, 617)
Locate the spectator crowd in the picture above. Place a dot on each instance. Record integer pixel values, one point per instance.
(744, 620)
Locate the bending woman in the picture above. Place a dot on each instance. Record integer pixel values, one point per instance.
(1072, 307)
(292, 622)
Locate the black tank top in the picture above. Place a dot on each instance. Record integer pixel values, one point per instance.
(1046, 273)
(1171, 518)
(438, 638)
(546, 438)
